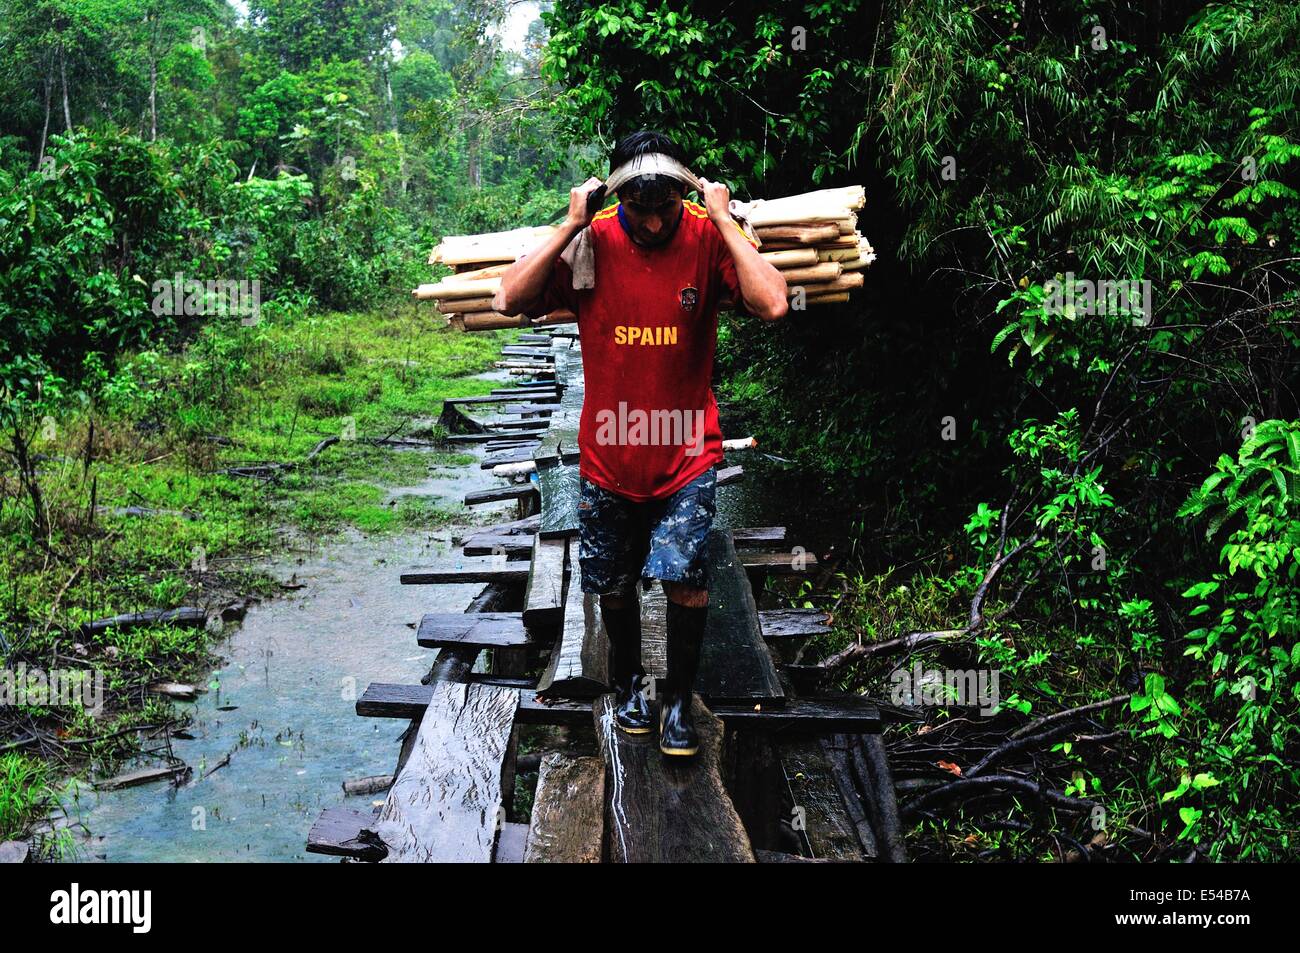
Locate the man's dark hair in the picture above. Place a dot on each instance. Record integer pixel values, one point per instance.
(648, 189)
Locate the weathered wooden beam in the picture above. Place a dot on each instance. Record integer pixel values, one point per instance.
(746, 536)
(735, 665)
(793, 623)
(487, 630)
(779, 564)
(521, 492)
(667, 810)
(484, 545)
(474, 569)
(568, 822)
(560, 486)
(544, 597)
(823, 822)
(855, 715)
(338, 832)
(579, 665)
(447, 800)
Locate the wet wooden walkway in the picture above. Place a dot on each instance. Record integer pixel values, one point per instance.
(780, 777)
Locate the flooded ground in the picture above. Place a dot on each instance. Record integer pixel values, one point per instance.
(277, 734)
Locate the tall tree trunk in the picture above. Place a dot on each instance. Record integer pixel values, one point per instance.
(45, 129)
(471, 150)
(153, 98)
(63, 74)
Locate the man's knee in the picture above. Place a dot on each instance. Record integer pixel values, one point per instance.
(693, 597)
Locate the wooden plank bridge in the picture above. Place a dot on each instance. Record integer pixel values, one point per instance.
(780, 777)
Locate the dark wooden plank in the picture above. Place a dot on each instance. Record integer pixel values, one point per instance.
(793, 623)
(820, 819)
(489, 630)
(735, 665)
(565, 422)
(840, 759)
(729, 475)
(544, 409)
(854, 715)
(525, 526)
(779, 564)
(142, 776)
(559, 486)
(567, 826)
(185, 615)
(667, 810)
(529, 392)
(337, 832)
(758, 535)
(544, 597)
(781, 857)
(515, 425)
(521, 682)
(473, 569)
(447, 800)
(517, 455)
(536, 396)
(484, 545)
(488, 436)
(850, 713)
(579, 665)
(518, 350)
(523, 491)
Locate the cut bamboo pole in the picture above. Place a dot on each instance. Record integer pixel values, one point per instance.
(463, 305)
(456, 288)
(836, 254)
(826, 271)
(853, 279)
(801, 234)
(825, 205)
(837, 298)
(495, 320)
(792, 258)
(494, 246)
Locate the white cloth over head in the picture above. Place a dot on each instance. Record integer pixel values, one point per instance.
(580, 254)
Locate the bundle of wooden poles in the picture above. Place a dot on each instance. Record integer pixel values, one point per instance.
(812, 239)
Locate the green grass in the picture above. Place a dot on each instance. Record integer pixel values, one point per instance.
(166, 426)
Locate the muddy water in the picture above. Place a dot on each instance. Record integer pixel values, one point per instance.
(281, 706)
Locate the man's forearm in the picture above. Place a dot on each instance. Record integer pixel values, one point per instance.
(525, 281)
(761, 285)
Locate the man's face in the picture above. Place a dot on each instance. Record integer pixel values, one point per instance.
(652, 218)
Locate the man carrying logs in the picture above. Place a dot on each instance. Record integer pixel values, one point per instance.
(645, 278)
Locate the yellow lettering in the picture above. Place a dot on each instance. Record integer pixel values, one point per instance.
(620, 334)
(670, 335)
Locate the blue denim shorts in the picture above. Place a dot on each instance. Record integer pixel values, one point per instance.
(622, 540)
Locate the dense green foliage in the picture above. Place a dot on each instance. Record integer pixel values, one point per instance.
(1015, 156)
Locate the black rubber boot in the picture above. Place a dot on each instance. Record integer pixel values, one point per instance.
(631, 712)
(677, 734)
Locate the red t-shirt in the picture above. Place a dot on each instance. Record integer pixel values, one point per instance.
(648, 331)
